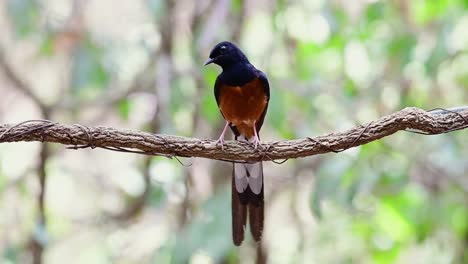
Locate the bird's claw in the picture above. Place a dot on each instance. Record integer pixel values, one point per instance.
(256, 142)
(220, 141)
(221, 137)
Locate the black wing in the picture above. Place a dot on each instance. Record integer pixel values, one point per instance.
(266, 88)
(217, 88)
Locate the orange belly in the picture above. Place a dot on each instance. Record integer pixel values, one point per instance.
(243, 106)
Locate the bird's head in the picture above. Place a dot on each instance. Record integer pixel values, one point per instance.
(226, 54)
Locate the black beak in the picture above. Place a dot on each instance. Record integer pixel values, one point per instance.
(209, 61)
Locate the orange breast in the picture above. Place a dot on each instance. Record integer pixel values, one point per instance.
(242, 106)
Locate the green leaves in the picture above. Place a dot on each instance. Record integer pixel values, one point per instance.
(209, 232)
(123, 108)
(47, 46)
(331, 64)
(209, 108)
(25, 16)
(89, 75)
(426, 11)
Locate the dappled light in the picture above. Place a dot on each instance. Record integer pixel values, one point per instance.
(114, 75)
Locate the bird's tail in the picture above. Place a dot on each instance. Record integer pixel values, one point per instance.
(247, 199)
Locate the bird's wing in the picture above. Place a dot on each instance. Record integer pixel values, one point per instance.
(266, 88)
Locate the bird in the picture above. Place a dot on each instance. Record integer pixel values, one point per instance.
(242, 93)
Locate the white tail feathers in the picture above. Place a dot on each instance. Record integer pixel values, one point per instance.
(248, 174)
(255, 177)
(241, 177)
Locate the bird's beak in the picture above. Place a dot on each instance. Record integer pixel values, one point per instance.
(209, 61)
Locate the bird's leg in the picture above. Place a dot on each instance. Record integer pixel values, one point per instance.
(221, 137)
(256, 138)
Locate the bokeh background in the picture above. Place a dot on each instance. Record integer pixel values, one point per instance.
(137, 64)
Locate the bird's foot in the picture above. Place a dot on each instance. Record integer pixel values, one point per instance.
(221, 141)
(256, 142)
(221, 137)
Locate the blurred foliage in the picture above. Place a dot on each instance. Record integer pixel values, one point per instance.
(331, 65)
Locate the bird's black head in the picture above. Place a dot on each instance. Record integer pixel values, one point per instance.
(226, 54)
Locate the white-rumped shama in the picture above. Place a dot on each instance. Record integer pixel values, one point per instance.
(242, 93)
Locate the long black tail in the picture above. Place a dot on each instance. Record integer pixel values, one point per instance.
(247, 199)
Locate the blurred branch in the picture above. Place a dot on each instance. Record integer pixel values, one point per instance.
(39, 237)
(78, 136)
(20, 84)
(161, 87)
(136, 206)
(37, 244)
(217, 16)
(140, 82)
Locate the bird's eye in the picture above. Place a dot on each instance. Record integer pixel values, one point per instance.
(223, 48)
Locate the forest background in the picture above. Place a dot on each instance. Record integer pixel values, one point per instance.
(139, 65)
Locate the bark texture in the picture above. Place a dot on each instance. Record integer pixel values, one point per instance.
(79, 136)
